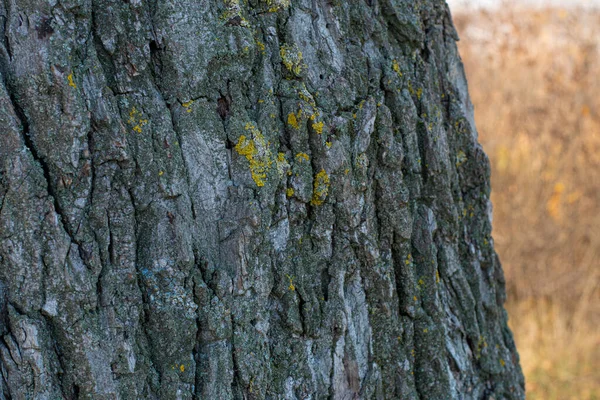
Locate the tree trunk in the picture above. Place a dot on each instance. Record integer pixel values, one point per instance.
(261, 199)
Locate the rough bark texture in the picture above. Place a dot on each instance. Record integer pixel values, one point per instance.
(262, 199)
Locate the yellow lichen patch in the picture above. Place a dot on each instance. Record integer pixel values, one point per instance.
(136, 120)
(187, 105)
(282, 164)
(396, 68)
(182, 368)
(289, 192)
(234, 9)
(71, 81)
(161, 173)
(291, 58)
(415, 298)
(318, 127)
(481, 344)
(257, 152)
(502, 362)
(261, 46)
(320, 188)
(437, 276)
(276, 5)
(307, 98)
(461, 157)
(408, 259)
(291, 286)
(328, 144)
(293, 121)
(418, 92)
(302, 156)
(421, 282)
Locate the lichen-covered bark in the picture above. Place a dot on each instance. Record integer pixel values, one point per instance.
(229, 199)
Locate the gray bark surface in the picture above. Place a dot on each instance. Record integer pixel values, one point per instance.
(261, 199)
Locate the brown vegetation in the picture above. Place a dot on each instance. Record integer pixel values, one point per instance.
(534, 78)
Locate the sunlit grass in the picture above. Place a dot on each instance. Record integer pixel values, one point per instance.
(534, 78)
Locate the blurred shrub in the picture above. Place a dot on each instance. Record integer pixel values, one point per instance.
(534, 78)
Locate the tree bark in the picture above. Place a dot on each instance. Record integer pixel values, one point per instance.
(261, 199)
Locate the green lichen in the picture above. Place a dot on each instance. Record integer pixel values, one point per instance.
(276, 5)
(233, 10)
(461, 157)
(291, 57)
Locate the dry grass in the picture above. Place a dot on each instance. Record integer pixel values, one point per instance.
(534, 78)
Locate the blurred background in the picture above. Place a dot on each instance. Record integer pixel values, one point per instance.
(534, 76)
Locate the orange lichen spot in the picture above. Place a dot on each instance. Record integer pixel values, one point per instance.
(71, 81)
(553, 205)
(318, 127)
(320, 188)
